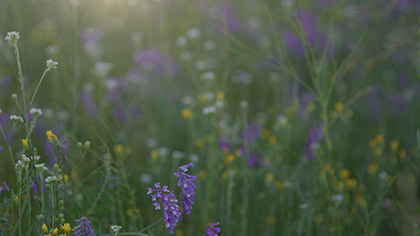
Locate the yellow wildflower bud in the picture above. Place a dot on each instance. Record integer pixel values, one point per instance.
(351, 182)
(50, 135)
(186, 113)
(66, 228)
(373, 168)
(202, 97)
(271, 220)
(339, 107)
(379, 138)
(372, 143)
(44, 228)
(269, 176)
(118, 149)
(229, 159)
(154, 154)
(199, 143)
(402, 153)
(272, 140)
(265, 133)
(220, 95)
(344, 173)
(377, 151)
(55, 232)
(280, 185)
(394, 145)
(25, 143)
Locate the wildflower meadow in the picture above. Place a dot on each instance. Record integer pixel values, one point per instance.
(209, 117)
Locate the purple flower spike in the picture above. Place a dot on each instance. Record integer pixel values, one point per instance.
(185, 182)
(166, 200)
(84, 228)
(213, 229)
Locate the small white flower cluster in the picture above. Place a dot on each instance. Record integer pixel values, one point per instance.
(178, 154)
(35, 112)
(51, 64)
(41, 167)
(50, 179)
(19, 165)
(116, 228)
(16, 119)
(12, 37)
(102, 68)
(337, 198)
(209, 110)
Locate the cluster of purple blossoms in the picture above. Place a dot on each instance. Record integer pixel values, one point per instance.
(185, 182)
(84, 228)
(213, 229)
(166, 200)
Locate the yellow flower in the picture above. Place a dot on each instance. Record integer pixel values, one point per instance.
(199, 143)
(339, 107)
(55, 232)
(372, 143)
(394, 145)
(118, 149)
(272, 140)
(154, 154)
(280, 185)
(25, 143)
(269, 176)
(202, 97)
(186, 113)
(229, 159)
(271, 220)
(351, 182)
(238, 152)
(66, 228)
(220, 95)
(50, 135)
(379, 138)
(373, 168)
(402, 153)
(311, 106)
(344, 173)
(202, 174)
(377, 151)
(265, 133)
(44, 228)
(179, 233)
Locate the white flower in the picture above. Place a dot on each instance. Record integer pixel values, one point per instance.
(178, 154)
(36, 158)
(193, 33)
(102, 68)
(209, 110)
(115, 228)
(186, 56)
(209, 75)
(181, 41)
(19, 165)
(145, 178)
(337, 198)
(41, 167)
(0, 111)
(16, 118)
(50, 179)
(187, 100)
(51, 64)
(35, 111)
(163, 151)
(12, 37)
(194, 157)
(383, 175)
(209, 45)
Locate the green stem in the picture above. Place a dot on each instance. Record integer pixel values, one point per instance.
(37, 87)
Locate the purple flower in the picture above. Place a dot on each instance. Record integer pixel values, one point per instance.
(1, 148)
(213, 229)
(185, 182)
(166, 200)
(89, 104)
(315, 135)
(4, 188)
(153, 60)
(252, 132)
(84, 228)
